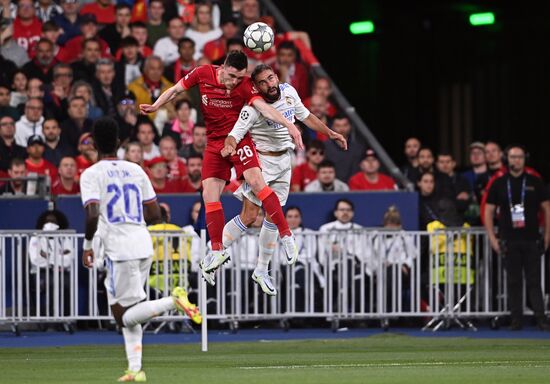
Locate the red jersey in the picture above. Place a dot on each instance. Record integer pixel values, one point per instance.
(26, 36)
(81, 165)
(104, 15)
(359, 182)
(44, 167)
(177, 169)
(59, 189)
(220, 106)
(187, 187)
(302, 175)
(145, 51)
(72, 49)
(170, 186)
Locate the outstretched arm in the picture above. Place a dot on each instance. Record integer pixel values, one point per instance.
(272, 114)
(317, 125)
(167, 96)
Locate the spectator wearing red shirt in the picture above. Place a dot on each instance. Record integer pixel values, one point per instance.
(89, 30)
(65, 184)
(290, 71)
(138, 31)
(27, 28)
(369, 179)
(322, 87)
(35, 163)
(305, 173)
(216, 49)
(177, 168)
(194, 172)
(103, 10)
(158, 174)
(88, 153)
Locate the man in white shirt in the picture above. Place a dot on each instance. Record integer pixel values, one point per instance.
(274, 146)
(167, 47)
(118, 199)
(326, 180)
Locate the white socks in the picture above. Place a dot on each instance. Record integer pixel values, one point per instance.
(232, 231)
(267, 244)
(132, 343)
(146, 310)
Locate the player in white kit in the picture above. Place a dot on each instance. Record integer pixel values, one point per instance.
(274, 146)
(119, 199)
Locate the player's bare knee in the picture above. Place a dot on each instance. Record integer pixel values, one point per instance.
(118, 312)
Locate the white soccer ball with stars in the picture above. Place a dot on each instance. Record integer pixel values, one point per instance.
(258, 37)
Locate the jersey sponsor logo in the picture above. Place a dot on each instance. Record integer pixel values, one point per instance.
(244, 115)
(204, 99)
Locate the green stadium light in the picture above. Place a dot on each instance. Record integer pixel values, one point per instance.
(361, 27)
(486, 18)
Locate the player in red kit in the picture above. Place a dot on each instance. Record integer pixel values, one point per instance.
(224, 91)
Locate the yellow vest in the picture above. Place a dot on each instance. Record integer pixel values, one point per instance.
(440, 248)
(157, 277)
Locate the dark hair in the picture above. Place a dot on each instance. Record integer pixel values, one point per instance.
(138, 24)
(237, 60)
(128, 41)
(326, 164)
(50, 26)
(287, 45)
(122, 6)
(194, 156)
(346, 201)
(44, 40)
(317, 144)
(259, 69)
(423, 148)
(105, 134)
(340, 116)
(293, 207)
(182, 101)
(445, 153)
(184, 40)
(60, 219)
(90, 39)
(16, 161)
(5, 85)
(234, 41)
(421, 175)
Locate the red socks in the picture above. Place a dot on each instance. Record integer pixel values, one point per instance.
(215, 222)
(272, 207)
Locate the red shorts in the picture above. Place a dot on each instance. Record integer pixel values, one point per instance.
(214, 165)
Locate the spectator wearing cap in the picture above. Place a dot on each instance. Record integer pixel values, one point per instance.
(127, 116)
(77, 123)
(477, 175)
(114, 33)
(145, 133)
(16, 171)
(148, 87)
(305, 173)
(88, 154)
(216, 49)
(9, 149)
(326, 180)
(35, 162)
(167, 47)
(88, 30)
(65, 184)
(177, 168)
(370, 178)
(106, 90)
(47, 10)
(26, 26)
(346, 162)
(156, 27)
(5, 108)
(41, 66)
(184, 64)
(31, 122)
(128, 67)
(68, 21)
(104, 10)
(158, 174)
(55, 148)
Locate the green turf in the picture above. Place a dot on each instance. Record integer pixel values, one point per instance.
(385, 358)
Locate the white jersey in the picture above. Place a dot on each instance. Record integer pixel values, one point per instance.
(120, 188)
(266, 134)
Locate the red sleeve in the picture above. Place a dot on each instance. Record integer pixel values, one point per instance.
(192, 78)
(296, 178)
(249, 91)
(353, 183)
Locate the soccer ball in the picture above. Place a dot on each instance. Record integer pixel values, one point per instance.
(258, 37)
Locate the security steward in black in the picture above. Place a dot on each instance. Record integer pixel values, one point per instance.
(519, 196)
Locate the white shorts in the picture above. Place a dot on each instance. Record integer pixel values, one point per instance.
(126, 279)
(276, 171)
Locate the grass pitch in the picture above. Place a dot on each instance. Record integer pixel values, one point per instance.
(387, 358)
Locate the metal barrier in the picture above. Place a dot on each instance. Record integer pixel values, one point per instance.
(450, 276)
